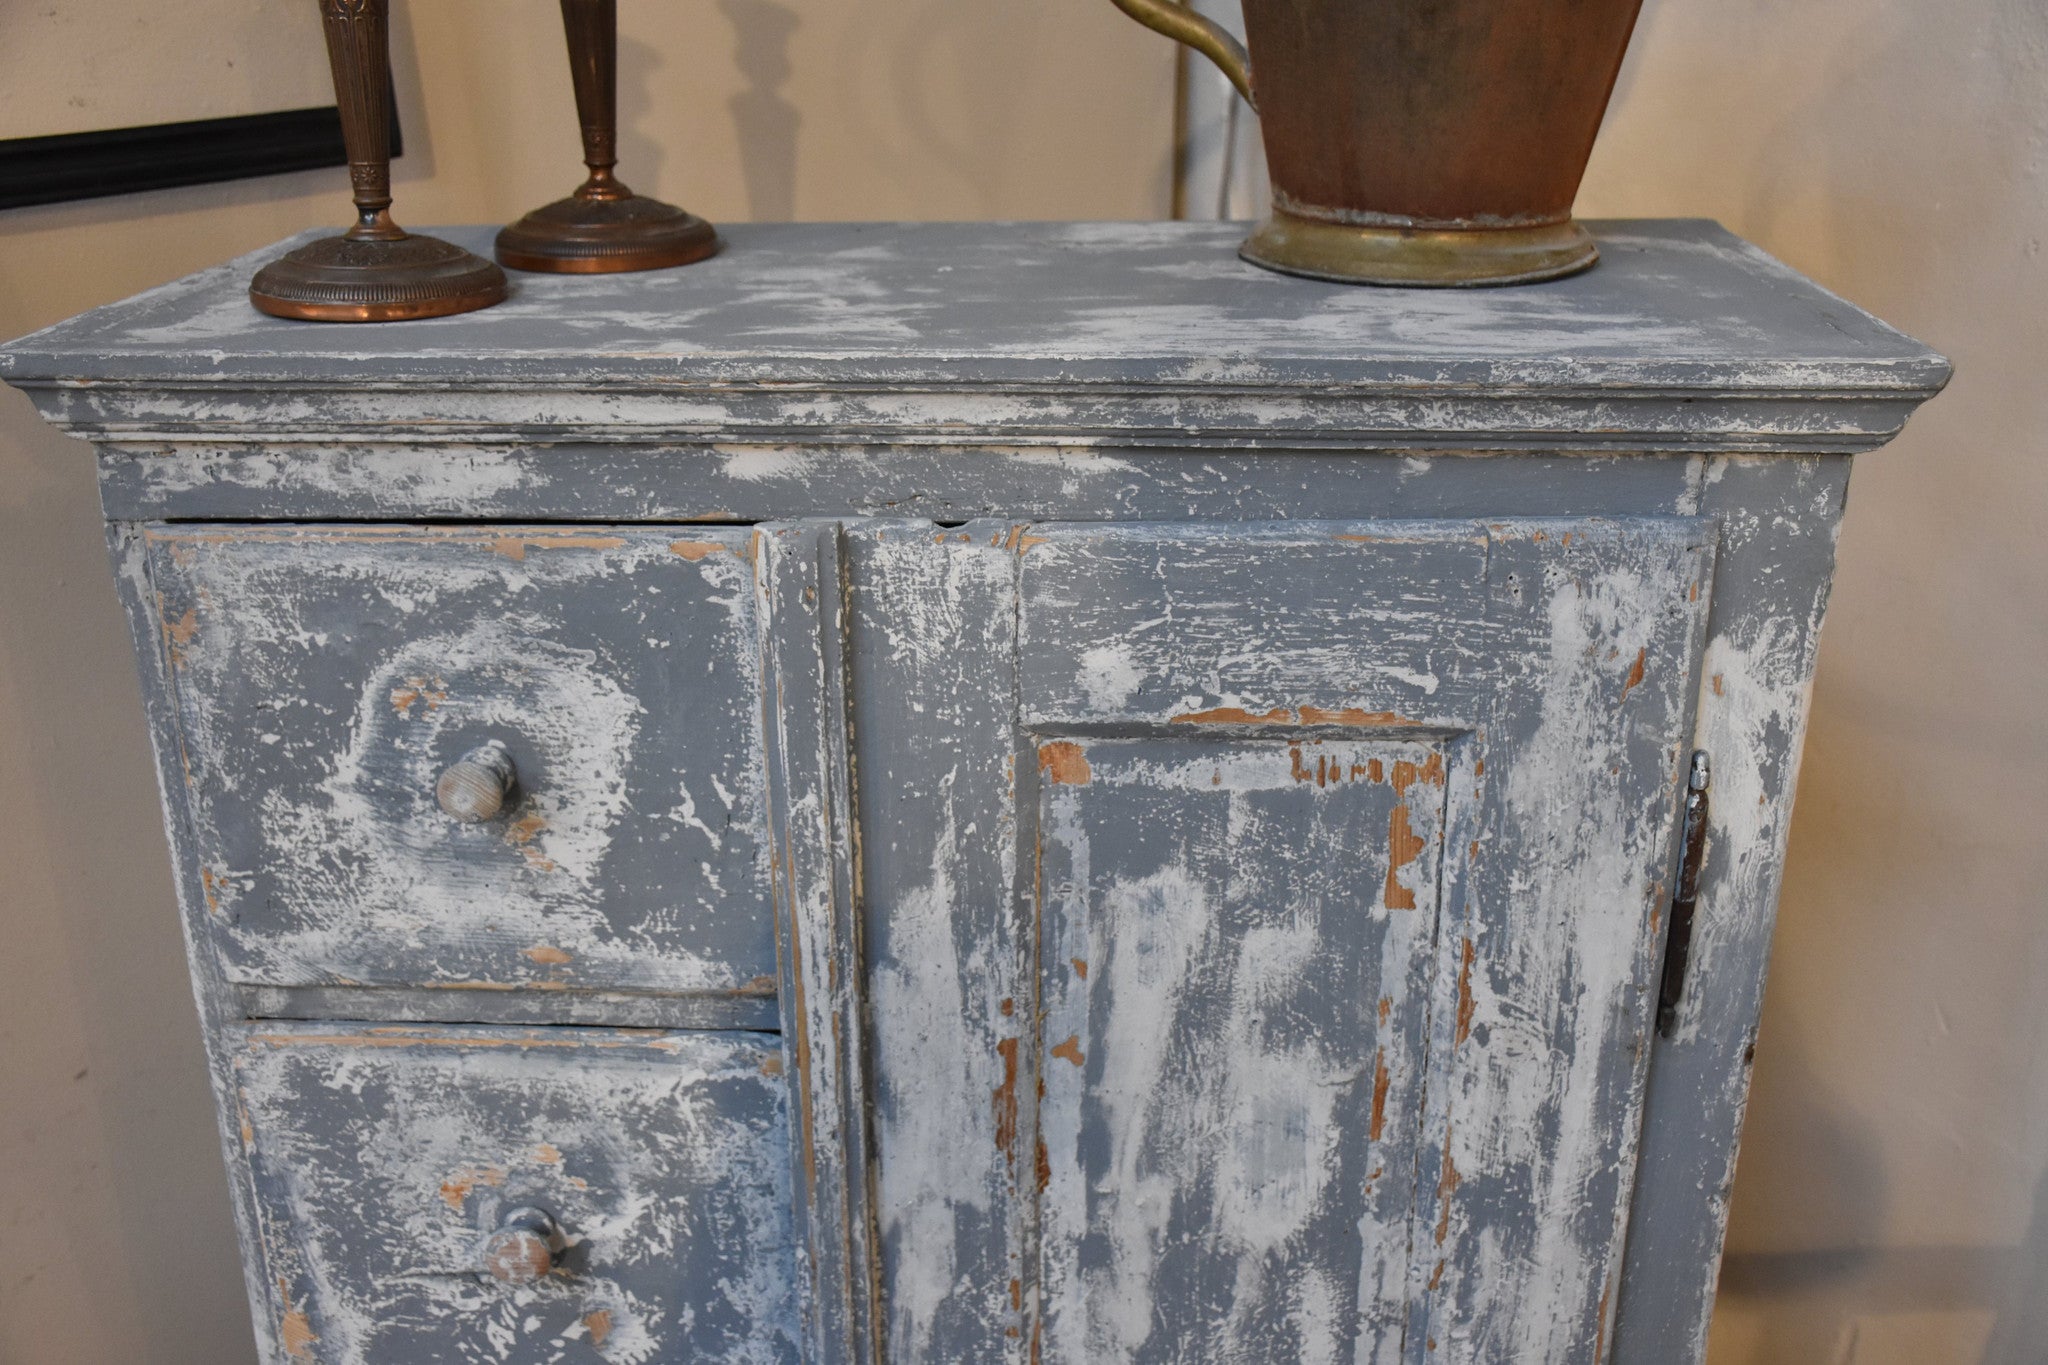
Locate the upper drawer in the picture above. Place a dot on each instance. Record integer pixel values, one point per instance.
(324, 681)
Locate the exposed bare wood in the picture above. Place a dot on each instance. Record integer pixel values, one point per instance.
(1155, 848)
(814, 847)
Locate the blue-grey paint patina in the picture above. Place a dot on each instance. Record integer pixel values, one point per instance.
(1078, 800)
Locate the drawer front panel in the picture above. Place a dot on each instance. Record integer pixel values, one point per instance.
(388, 1164)
(328, 679)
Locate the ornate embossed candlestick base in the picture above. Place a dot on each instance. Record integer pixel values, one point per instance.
(377, 272)
(603, 226)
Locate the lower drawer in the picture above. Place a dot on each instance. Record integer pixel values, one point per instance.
(519, 1195)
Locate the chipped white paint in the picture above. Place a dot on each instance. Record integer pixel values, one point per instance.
(382, 1158)
(1755, 689)
(950, 712)
(1589, 874)
(1239, 1012)
(457, 479)
(380, 657)
(559, 703)
(762, 464)
(1563, 656)
(935, 614)
(801, 588)
(931, 1114)
(1126, 333)
(1109, 675)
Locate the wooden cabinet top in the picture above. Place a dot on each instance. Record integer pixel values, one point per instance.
(1683, 336)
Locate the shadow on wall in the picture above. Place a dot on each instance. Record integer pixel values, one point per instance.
(1816, 1170)
(765, 121)
(1831, 1175)
(2021, 1335)
(417, 162)
(641, 153)
(1899, 152)
(1841, 1286)
(947, 38)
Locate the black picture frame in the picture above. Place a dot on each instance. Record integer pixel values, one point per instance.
(94, 165)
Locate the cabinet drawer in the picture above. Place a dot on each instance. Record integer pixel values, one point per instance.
(325, 681)
(632, 1189)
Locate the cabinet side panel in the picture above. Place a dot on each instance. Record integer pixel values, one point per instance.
(129, 552)
(1778, 521)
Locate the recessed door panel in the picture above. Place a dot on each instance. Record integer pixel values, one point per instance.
(1237, 943)
(1214, 1189)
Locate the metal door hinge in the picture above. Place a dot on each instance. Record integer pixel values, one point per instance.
(1678, 948)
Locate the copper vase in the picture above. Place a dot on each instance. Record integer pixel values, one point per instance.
(1419, 142)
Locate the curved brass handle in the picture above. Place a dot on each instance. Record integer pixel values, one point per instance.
(1202, 34)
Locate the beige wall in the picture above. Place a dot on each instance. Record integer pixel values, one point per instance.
(1892, 1207)
(79, 68)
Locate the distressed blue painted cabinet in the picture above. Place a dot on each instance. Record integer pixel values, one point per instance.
(942, 793)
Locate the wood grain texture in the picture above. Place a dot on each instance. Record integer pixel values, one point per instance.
(1561, 658)
(1142, 333)
(949, 952)
(326, 677)
(1091, 555)
(1779, 520)
(802, 583)
(383, 1157)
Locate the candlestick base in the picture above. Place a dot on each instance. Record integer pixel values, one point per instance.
(355, 279)
(590, 235)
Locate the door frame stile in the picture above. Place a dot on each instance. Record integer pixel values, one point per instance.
(801, 588)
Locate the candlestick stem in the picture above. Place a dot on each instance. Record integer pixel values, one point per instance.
(603, 226)
(376, 271)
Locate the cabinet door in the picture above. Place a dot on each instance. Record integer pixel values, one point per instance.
(1262, 923)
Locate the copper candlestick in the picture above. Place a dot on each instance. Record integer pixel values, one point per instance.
(604, 226)
(377, 271)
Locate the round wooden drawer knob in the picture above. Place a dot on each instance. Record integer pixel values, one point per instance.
(475, 787)
(522, 1250)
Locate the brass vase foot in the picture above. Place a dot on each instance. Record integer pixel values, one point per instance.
(603, 226)
(581, 235)
(376, 279)
(1432, 258)
(377, 272)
